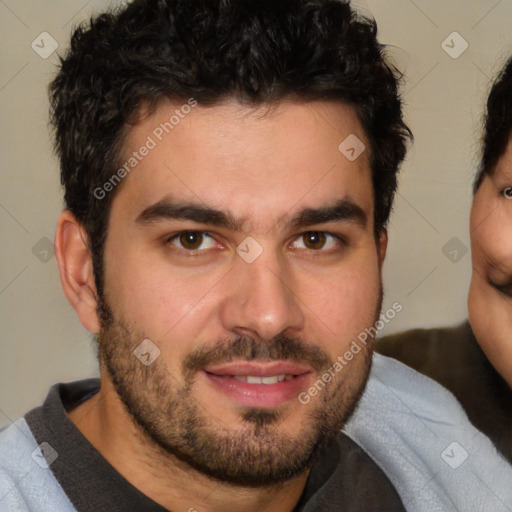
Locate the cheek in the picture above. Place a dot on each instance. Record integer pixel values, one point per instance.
(492, 243)
(347, 299)
(156, 298)
(491, 228)
(490, 312)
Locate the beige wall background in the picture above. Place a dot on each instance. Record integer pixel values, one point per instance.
(428, 265)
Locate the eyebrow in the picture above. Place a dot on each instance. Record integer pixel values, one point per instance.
(343, 210)
(167, 209)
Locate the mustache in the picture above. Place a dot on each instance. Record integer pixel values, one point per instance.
(281, 347)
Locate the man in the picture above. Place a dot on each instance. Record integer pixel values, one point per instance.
(229, 169)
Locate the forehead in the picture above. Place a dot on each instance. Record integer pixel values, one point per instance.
(256, 162)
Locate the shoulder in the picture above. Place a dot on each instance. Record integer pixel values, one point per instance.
(420, 436)
(16, 445)
(26, 481)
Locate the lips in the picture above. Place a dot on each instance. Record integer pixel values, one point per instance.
(262, 385)
(261, 369)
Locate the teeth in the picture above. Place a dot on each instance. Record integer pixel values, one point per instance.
(272, 379)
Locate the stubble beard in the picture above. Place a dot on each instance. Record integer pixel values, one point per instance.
(174, 423)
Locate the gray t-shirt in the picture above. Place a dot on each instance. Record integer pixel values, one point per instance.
(344, 478)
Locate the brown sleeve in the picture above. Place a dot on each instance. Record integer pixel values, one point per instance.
(429, 351)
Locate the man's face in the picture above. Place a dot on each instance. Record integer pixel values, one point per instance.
(243, 247)
(490, 293)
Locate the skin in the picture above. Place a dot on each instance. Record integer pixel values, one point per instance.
(263, 166)
(490, 293)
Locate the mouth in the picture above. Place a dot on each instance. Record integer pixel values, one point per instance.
(261, 385)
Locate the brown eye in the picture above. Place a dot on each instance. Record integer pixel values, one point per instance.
(321, 242)
(191, 240)
(193, 243)
(314, 239)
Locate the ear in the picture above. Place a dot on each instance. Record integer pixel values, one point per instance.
(76, 271)
(382, 246)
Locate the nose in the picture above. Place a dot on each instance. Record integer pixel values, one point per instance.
(261, 301)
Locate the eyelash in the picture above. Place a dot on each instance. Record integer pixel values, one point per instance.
(342, 241)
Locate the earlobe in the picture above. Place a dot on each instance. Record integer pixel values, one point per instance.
(76, 269)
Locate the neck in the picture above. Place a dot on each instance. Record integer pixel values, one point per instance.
(106, 424)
